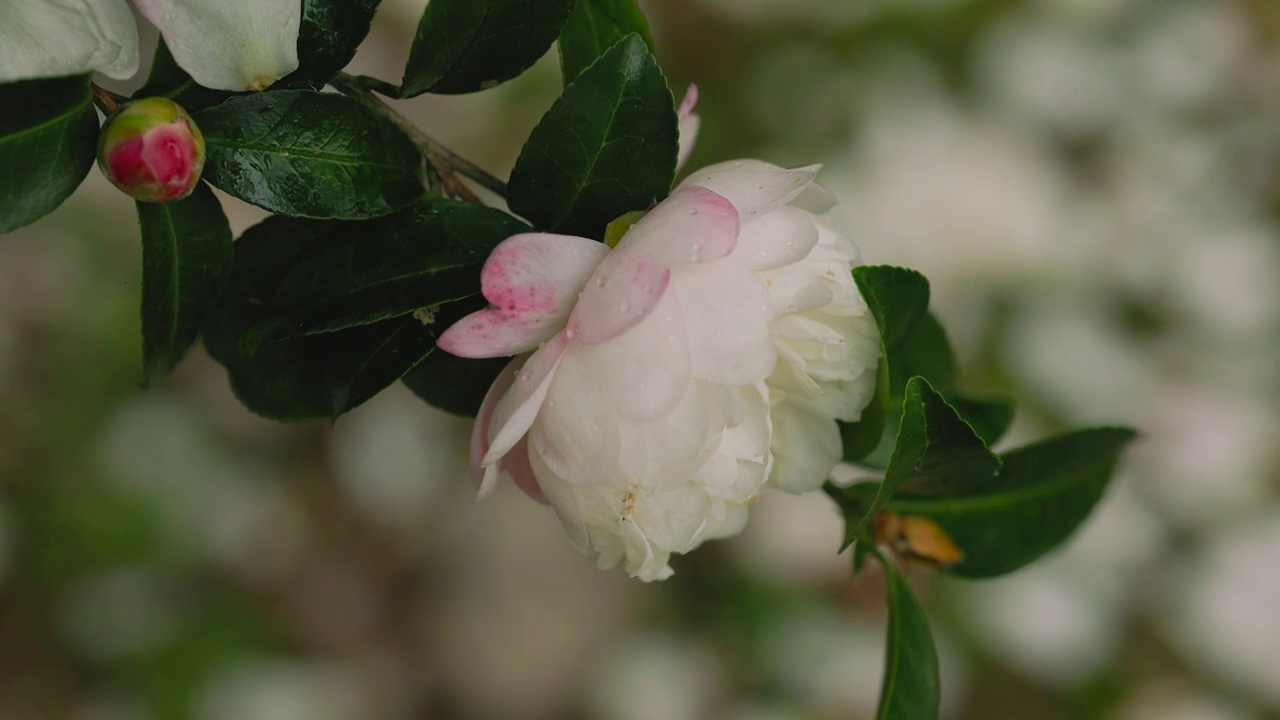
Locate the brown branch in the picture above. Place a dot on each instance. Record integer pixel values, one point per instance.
(103, 100)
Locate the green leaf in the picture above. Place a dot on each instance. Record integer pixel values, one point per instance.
(323, 375)
(1040, 496)
(48, 138)
(454, 384)
(936, 454)
(328, 36)
(307, 154)
(924, 352)
(466, 45)
(358, 273)
(166, 79)
(911, 689)
(186, 263)
(593, 27)
(606, 147)
(898, 299)
(988, 418)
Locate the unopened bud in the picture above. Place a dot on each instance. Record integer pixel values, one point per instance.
(152, 150)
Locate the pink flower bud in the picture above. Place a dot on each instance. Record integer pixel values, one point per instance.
(152, 150)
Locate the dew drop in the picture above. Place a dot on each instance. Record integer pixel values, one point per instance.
(602, 281)
(671, 318)
(624, 307)
(751, 211)
(571, 333)
(693, 211)
(524, 376)
(737, 164)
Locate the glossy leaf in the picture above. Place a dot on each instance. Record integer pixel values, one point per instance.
(924, 352)
(292, 273)
(358, 273)
(454, 384)
(1037, 500)
(307, 154)
(936, 454)
(898, 299)
(606, 147)
(166, 79)
(186, 264)
(466, 45)
(988, 418)
(911, 689)
(48, 138)
(328, 36)
(593, 27)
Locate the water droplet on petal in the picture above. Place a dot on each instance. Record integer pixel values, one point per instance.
(571, 333)
(737, 164)
(625, 307)
(693, 211)
(751, 211)
(524, 376)
(602, 281)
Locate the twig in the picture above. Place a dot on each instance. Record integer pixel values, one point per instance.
(442, 159)
(103, 100)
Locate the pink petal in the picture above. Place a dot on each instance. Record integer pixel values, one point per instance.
(531, 280)
(516, 462)
(519, 406)
(694, 225)
(689, 125)
(623, 290)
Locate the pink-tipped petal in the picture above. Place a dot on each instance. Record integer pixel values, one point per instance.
(694, 225)
(531, 280)
(689, 125)
(688, 134)
(754, 187)
(623, 290)
(519, 406)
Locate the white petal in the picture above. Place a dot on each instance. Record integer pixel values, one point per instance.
(575, 433)
(694, 225)
(671, 447)
(643, 372)
(519, 406)
(806, 445)
(778, 238)
(742, 461)
(753, 186)
(622, 291)
(532, 280)
(229, 44)
(726, 312)
(52, 38)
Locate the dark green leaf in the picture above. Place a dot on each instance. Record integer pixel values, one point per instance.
(330, 32)
(606, 147)
(924, 352)
(286, 276)
(186, 262)
(166, 79)
(1040, 496)
(898, 299)
(357, 273)
(454, 384)
(936, 453)
(48, 138)
(911, 688)
(988, 418)
(466, 45)
(307, 154)
(593, 27)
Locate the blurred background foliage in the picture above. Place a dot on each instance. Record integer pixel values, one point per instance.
(1090, 185)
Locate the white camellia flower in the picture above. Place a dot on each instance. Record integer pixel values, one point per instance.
(661, 386)
(223, 44)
